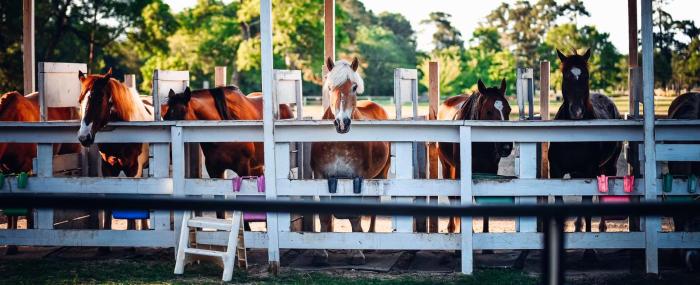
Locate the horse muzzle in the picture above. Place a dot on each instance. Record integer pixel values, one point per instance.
(505, 149)
(86, 140)
(342, 126)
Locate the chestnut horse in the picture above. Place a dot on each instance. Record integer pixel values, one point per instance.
(485, 104)
(223, 103)
(348, 159)
(104, 99)
(17, 157)
(686, 107)
(582, 159)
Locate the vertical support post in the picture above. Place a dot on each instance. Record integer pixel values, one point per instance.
(219, 76)
(433, 103)
(527, 170)
(404, 170)
(283, 168)
(268, 130)
(544, 115)
(328, 42)
(44, 155)
(130, 80)
(397, 93)
(525, 92)
(28, 45)
(633, 58)
(465, 150)
(652, 224)
(178, 150)
(161, 168)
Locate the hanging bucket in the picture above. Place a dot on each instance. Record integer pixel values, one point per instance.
(260, 182)
(490, 200)
(667, 180)
(628, 187)
(15, 212)
(2, 180)
(22, 181)
(131, 214)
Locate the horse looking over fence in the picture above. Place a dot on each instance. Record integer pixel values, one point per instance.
(354, 160)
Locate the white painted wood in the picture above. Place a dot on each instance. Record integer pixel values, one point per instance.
(178, 173)
(65, 162)
(43, 217)
(527, 169)
(282, 169)
(163, 81)
(651, 224)
(59, 85)
(404, 170)
(465, 140)
(160, 166)
(287, 86)
(182, 243)
(230, 255)
(678, 152)
(126, 238)
(268, 127)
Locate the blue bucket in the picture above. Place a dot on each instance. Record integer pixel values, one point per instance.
(131, 214)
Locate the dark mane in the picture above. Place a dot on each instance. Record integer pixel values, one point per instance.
(470, 108)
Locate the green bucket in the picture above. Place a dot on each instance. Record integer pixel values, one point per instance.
(14, 212)
(2, 180)
(667, 183)
(492, 199)
(679, 198)
(22, 180)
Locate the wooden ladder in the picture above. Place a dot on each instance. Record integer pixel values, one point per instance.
(235, 245)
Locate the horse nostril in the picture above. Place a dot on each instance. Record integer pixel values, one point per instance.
(335, 122)
(346, 122)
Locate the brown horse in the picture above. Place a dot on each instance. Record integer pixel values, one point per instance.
(582, 159)
(17, 157)
(348, 159)
(686, 107)
(104, 99)
(223, 103)
(485, 104)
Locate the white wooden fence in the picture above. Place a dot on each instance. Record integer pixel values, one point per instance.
(400, 133)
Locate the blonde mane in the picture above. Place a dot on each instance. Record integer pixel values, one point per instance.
(341, 72)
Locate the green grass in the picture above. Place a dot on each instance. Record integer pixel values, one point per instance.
(56, 271)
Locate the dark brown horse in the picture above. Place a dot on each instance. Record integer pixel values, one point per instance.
(223, 103)
(348, 159)
(17, 157)
(104, 99)
(485, 104)
(582, 159)
(686, 107)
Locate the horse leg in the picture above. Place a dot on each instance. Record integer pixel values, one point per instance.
(320, 256)
(356, 255)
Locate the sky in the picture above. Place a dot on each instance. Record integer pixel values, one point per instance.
(609, 16)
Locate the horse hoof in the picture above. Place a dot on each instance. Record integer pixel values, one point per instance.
(357, 185)
(11, 250)
(590, 256)
(320, 258)
(332, 184)
(357, 257)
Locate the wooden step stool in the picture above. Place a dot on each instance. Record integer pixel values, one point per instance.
(235, 245)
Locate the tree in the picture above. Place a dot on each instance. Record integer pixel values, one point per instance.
(446, 35)
(449, 60)
(381, 51)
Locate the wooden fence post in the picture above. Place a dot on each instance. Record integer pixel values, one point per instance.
(433, 103)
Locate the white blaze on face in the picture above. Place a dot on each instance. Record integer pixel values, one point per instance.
(498, 104)
(84, 129)
(576, 72)
(341, 113)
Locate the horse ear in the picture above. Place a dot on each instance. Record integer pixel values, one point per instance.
(81, 75)
(329, 63)
(171, 93)
(482, 88)
(587, 55)
(355, 63)
(561, 56)
(108, 75)
(503, 87)
(188, 93)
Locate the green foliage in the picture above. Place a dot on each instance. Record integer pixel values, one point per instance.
(446, 35)
(381, 53)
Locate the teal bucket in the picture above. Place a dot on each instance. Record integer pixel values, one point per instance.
(493, 199)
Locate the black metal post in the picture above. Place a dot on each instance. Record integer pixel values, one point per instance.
(553, 260)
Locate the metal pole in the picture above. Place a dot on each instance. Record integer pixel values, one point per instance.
(553, 261)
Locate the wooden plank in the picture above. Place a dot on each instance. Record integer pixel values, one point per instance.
(163, 81)
(466, 198)
(287, 86)
(91, 238)
(28, 47)
(544, 116)
(97, 185)
(329, 29)
(633, 41)
(398, 97)
(527, 169)
(65, 162)
(404, 170)
(219, 76)
(59, 85)
(178, 175)
(43, 217)
(678, 152)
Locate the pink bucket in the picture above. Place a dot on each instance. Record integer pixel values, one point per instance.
(236, 183)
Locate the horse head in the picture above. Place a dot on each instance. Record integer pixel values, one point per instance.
(575, 88)
(490, 104)
(96, 103)
(342, 84)
(179, 106)
(14, 107)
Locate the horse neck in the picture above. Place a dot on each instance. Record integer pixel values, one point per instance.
(468, 110)
(127, 104)
(24, 110)
(241, 107)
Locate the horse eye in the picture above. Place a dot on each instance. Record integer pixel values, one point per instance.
(354, 87)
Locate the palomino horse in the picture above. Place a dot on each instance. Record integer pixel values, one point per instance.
(348, 159)
(223, 103)
(17, 157)
(486, 104)
(686, 107)
(104, 99)
(582, 159)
